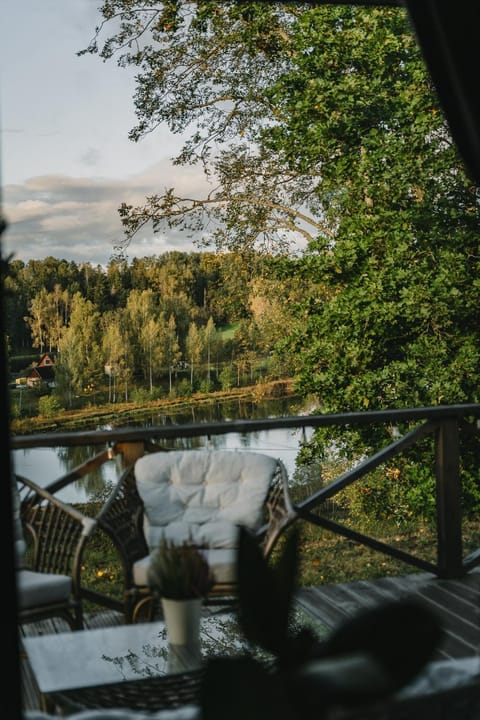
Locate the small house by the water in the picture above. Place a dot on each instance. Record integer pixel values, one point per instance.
(42, 373)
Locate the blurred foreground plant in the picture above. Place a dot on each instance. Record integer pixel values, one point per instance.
(368, 658)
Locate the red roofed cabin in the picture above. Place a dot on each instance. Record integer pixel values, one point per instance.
(42, 373)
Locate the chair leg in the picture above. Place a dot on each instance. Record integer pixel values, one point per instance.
(144, 610)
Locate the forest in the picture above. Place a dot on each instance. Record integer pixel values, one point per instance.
(168, 325)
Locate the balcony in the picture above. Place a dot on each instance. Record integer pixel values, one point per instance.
(449, 584)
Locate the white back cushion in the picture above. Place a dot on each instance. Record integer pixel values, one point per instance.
(202, 495)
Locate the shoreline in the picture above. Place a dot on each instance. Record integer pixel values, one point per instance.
(94, 415)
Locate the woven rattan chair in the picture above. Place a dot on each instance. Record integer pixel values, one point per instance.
(200, 496)
(50, 538)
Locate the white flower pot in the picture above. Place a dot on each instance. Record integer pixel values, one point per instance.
(182, 620)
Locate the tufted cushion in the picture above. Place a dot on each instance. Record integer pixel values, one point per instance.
(202, 495)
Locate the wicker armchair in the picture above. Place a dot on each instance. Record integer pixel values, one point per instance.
(50, 538)
(152, 492)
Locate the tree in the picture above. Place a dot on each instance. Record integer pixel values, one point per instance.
(38, 320)
(194, 348)
(399, 279)
(151, 347)
(61, 302)
(141, 308)
(114, 344)
(247, 344)
(207, 68)
(392, 320)
(172, 349)
(16, 306)
(46, 319)
(79, 367)
(209, 332)
(322, 121)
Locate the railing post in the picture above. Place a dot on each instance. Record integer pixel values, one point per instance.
(449, 512)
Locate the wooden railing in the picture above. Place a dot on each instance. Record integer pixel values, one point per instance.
(443, 423)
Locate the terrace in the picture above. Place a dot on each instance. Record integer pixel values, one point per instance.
(449, 585)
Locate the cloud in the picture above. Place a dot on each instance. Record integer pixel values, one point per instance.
(76, 218)
(91, 157)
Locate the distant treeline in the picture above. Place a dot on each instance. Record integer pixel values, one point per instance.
(203, 319)
(194, 285)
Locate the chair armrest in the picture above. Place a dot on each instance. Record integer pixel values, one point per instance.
(121, 518)
(279, 510)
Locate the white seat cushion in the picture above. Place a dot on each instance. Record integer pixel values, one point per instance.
(37, 588)
(218, 533)
(222, 562)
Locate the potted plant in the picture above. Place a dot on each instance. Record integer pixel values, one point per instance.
(182, 577)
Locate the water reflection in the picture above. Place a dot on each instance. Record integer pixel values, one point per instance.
(44, 465)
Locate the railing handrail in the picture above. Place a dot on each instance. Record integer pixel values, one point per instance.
(138, 434)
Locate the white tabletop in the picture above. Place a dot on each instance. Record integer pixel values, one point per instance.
(84, 658)
(97, 657)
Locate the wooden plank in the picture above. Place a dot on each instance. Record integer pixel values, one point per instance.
(456, 603)
(457, 641)
(332, 604)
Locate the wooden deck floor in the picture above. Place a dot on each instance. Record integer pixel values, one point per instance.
(457, 603)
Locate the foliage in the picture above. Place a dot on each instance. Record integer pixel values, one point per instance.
(182, 388)
(228, 331)
(206, 386)
(227, 378)
(49, 406)
(179, 571)
(142, 395)
(395, 324)
(401, 491)
(77, 370)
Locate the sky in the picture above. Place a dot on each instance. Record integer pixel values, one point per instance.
(66, 162)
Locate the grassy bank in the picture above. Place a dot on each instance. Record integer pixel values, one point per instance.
(94, 415)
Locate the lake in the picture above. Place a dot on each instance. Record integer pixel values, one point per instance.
(44, 465)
